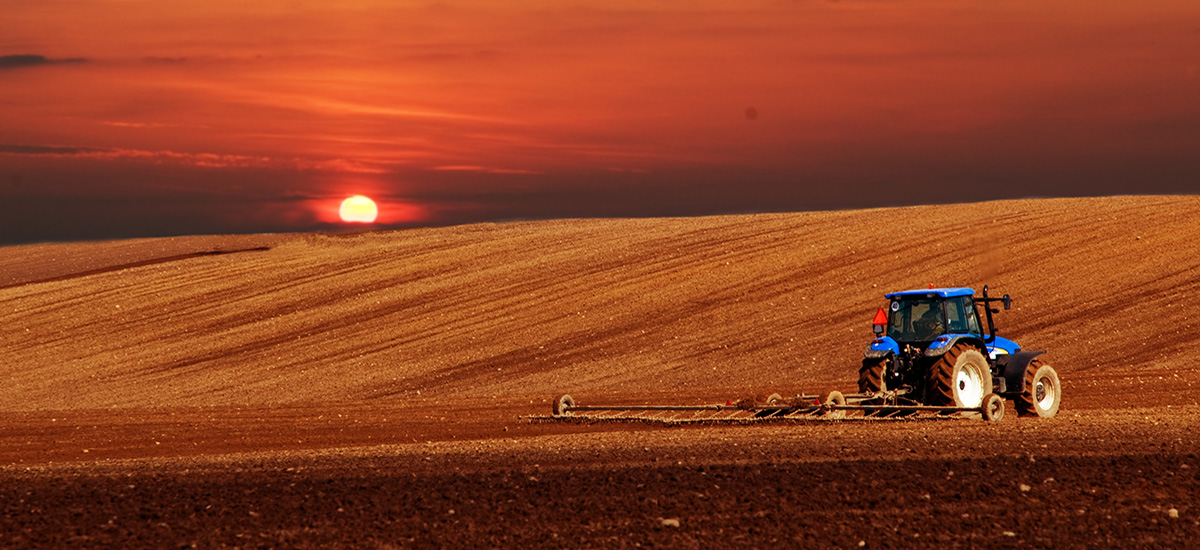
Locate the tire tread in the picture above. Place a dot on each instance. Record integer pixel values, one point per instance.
(870, 376)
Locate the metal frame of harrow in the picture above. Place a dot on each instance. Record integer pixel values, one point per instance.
(831, 406)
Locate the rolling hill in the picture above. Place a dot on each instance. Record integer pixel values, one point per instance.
(530, 309)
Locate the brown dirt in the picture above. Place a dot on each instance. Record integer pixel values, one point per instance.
(368, 390)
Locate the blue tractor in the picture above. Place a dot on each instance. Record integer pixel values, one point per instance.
(931, 350)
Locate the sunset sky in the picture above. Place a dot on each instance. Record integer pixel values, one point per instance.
(123, 118)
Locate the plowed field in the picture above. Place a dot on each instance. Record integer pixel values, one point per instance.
(371, 389)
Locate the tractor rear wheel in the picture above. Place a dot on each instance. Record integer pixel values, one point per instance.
(1042, 394)
(871, 380)
(960, 378)
(870, 376)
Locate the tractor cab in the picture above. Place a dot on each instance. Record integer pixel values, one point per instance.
(920, 318)
(930, 320)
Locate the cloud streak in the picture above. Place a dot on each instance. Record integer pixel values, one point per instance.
(21, 61)
(46, 150)
(201, 160)
(483, 169)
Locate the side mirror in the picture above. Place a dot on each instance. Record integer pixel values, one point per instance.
(1007, 302)
(878, 330)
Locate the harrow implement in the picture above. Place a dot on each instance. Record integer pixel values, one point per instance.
(832, 405)
(930, 357)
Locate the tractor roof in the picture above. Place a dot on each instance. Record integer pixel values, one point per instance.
(930, 292)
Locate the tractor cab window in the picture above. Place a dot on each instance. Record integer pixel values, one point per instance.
(917, 320)
(973, 325)
(961, 317)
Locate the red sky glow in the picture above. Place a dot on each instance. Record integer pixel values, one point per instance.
(140, 117)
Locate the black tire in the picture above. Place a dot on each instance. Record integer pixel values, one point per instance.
(870, 376)
(960, 378)
(562, 405)
(992, 408)
(871, 380)
(1042, 394)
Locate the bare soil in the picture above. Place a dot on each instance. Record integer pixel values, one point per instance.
(374, 390)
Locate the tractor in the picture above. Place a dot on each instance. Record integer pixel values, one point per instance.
(931, 350)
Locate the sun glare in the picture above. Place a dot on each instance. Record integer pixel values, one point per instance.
(358, 209)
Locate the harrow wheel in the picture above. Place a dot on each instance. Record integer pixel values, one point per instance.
(772, 400)
(833, 398)
(562, 405)
(1042, 394)
(992, 408)
(960, 378)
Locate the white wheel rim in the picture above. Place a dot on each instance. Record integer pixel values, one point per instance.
(1044, 393)
(970, 387)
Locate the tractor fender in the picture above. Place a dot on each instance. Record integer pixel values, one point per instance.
(1014, 370)
(881, 347)
(943, 343)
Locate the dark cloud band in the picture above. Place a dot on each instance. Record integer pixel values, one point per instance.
(29, 60)
(45, 150)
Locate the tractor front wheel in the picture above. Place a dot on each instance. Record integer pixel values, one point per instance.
(960, 378)
(1042, 394)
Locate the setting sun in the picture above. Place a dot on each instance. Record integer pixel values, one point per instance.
(358, 209)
